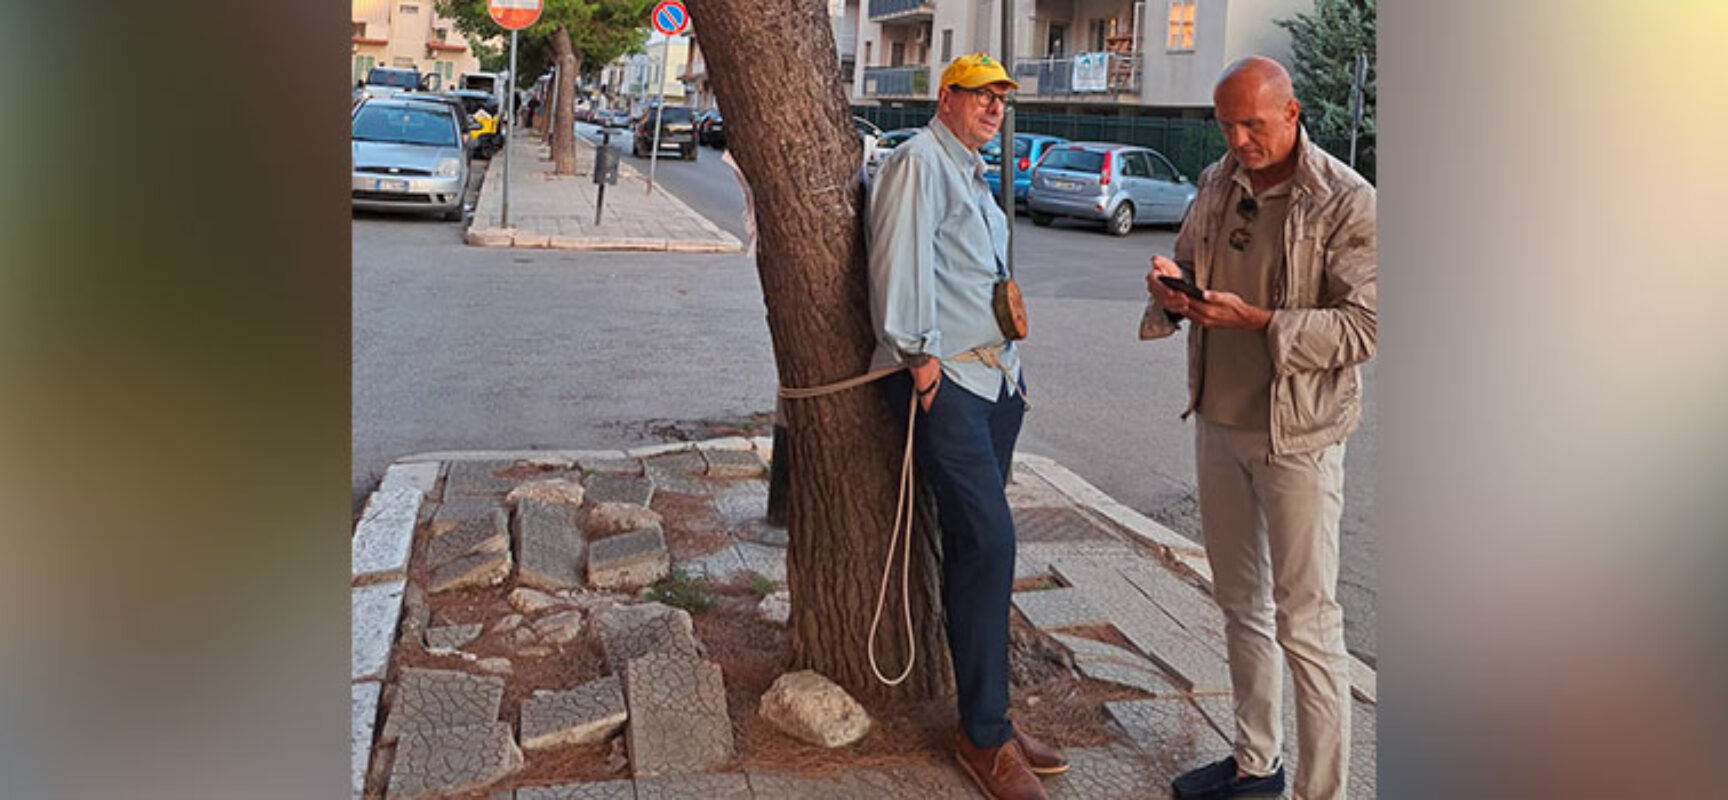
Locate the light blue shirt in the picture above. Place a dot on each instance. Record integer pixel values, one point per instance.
(937, 243)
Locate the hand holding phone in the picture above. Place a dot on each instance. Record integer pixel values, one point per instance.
(1182, 285)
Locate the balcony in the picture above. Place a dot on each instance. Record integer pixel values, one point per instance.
(897, 82)
(1101, 75)
(902, 10)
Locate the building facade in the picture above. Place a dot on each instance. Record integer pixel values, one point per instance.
(408, 33)
(1071, 56)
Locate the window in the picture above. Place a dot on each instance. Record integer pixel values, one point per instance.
(408, 9)
(947, 45)
(362, 66)
(359, 30)
(1161, 169)
(1134, 166)
(1180, 35)
(446, 71)
(441, 34)
(897, 54)
(867, 53)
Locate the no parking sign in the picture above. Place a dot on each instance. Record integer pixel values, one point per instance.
(670, 17)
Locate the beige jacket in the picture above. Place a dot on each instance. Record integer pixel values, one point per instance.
(1323, 315)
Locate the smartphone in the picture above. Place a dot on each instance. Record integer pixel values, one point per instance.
(1182, 285)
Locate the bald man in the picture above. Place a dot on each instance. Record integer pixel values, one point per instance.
(1281, 241)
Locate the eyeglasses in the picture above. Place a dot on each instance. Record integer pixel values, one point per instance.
(1248, 210)
(985, 97)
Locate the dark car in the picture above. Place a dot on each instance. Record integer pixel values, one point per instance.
(711, 129)
(677, 131)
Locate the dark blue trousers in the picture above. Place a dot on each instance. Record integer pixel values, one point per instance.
(964, 446)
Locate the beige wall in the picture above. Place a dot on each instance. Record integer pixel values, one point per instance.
(406, 35)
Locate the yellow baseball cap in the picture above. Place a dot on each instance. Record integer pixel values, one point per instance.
(974, 70)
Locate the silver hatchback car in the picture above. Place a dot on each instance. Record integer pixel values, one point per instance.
(1121, 184)
(408, 156)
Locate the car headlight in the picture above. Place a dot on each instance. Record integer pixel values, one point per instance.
(449, 166)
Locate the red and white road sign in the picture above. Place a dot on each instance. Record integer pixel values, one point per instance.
(670, 17)
(514, 15)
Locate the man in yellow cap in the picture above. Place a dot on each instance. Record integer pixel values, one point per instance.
(938, 244)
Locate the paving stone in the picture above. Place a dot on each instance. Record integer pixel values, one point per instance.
(385, 535)
(1107, 662)
(724, 444)
(636, 558)
(472, 571)
(440, 762)
(734, 464)
(776, 786)
(1170, 727)
(549, 545)
(416, 616)
(584, 715)
(374, 611)
(497, 665)
(422, 476)
(1057, 525)
(529, 601)
(941, 780)
(719, 566)
(1364, 749)
(1096, 773)
(478, 478)
(1027, 490)
(621, 464)
(558, 491)
(742, 502)
(1363, 681)
(454, 510)
(1191, 607)
(1220, 710)
(610, 488)
(558, 629)
(633, 631)
(438, 699)
(603, 790)
(601, 520)
(712, 786)
(453, 637)
(364, 720)
(486, 532)
(1051, 609)
(769, 562)
(1194, 665)
(761, 531)
(678, 721)
(673, 481)
(652, 450)
(689, 462)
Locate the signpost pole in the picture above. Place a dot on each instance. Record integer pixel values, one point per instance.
(659, 108)
(510, 132)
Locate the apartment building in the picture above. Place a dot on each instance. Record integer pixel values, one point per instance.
(1071, 56)
(408, 33)
(842, 16)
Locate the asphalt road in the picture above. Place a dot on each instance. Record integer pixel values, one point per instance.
(468, 348)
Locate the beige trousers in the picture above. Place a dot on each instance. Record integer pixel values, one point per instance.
(1271, 528)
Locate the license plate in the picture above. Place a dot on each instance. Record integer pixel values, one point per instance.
(383, 185)
(1066, 186)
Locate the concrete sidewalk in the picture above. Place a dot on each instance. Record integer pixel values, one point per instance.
(430, 674)
(557, 211)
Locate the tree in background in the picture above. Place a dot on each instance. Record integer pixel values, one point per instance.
(570, 33)
(1325, 44)
(788, 126)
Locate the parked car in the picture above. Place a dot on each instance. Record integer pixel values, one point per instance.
(711, 129)
(613, 118)
(677, 132)
(1122, 185)
(1028, 148)
(408, 155)
(886, 144)
(482, 108)
(386, 81)
(470, 126)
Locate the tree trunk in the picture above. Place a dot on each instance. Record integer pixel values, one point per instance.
(563, 118)
(776, 78)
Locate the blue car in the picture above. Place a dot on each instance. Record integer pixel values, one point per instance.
(1028, 148)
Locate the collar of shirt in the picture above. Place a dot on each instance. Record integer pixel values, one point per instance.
(963, 157)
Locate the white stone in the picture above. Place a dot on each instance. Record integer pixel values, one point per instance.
(375, 610)
(554, 490)
(420, 475)
(1363, 681)
(776, 607)
(811, 708)
(385, 534)
(661, 449)
(559, 628)
(532, 601)
(724, 443)
(508, 622)
(496, 666)
(365, 720)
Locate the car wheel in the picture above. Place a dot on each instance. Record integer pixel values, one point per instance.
(453, 214)
(1121, 220)
(1041, 219)
(690, 152)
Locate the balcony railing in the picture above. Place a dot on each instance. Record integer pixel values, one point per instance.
(899, 8)
(897, 81)
(1084, 74)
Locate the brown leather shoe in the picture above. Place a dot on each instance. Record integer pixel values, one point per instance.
(1001, 772)
(1040, 757)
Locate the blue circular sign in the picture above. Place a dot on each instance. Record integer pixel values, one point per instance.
(670, 17)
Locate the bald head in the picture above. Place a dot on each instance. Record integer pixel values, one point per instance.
(1257, 112)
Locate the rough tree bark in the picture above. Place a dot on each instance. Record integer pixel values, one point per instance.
(775, 74)
(563, 120)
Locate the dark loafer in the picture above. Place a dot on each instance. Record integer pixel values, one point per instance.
(1218, 781)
